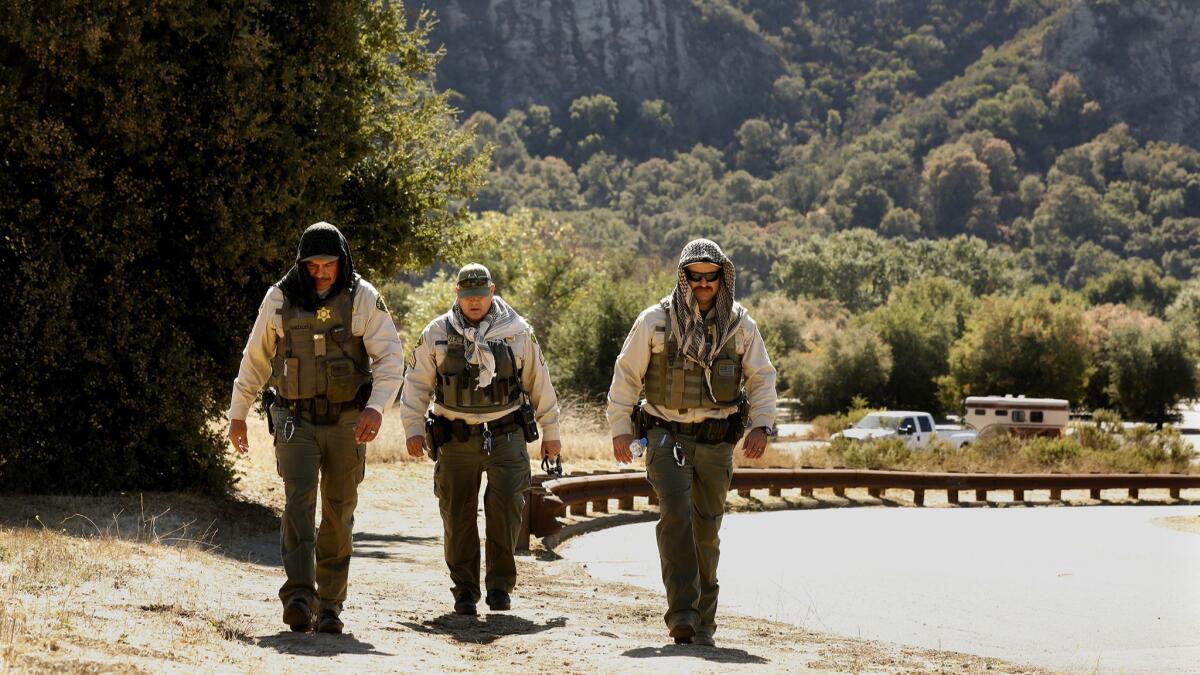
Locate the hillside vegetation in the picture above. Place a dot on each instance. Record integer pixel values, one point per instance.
(931, 200)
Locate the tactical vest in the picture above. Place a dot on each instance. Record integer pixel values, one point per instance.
(676, 383)
(457, 380)
(320, 356)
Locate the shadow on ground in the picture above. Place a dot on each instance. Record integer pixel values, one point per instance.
(242, 530)
(482, 629)
(317, 644)
(714, 654)
(385, 546)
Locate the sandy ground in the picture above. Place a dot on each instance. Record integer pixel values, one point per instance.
(175, 582)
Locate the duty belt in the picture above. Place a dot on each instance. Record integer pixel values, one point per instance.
(461, 430)
(712, 430)
(318, 409)
(685, 428)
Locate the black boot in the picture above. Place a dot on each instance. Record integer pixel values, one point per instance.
(498, 600)
(465, 604)
(328, 622)
(298, 614)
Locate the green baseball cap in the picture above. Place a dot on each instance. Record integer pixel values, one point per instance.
(474, 280)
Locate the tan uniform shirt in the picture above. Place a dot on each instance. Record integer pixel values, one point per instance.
(420, 376)
(375, 325)
(648, 336)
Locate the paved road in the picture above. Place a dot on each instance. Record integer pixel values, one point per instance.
(1095, 588)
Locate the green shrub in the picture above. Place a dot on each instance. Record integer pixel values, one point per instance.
(588, 338)
(825, 426)
(1094, 438)
(997, 448)
(887, 453)
(1052, 452)
(159, 164)
(1144, 449)
(1107, 420)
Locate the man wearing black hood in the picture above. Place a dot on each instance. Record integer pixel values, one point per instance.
(326, 343)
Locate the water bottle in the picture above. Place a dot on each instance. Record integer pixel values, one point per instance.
(637, 448)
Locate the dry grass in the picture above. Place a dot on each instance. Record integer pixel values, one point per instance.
(65, 599)
(1088, 450)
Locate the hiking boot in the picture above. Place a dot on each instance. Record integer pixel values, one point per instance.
(465, 604)
(683, 634)
(498, 600)
(297, 614)
(328, 622)
(704, 639)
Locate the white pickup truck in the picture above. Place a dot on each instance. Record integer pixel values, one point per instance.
(916, 428)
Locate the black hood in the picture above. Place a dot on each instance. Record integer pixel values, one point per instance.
(319, 239)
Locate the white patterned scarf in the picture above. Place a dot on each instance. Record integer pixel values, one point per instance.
(683, 311)
(500, 323)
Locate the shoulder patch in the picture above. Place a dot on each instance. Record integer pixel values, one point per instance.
(380, 304)
(411, 361)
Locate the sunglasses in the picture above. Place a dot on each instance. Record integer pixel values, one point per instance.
(707, 276)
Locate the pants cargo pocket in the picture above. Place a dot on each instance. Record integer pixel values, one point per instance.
(362, 464)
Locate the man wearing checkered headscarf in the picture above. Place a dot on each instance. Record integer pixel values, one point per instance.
(684, 309)
(704, 368)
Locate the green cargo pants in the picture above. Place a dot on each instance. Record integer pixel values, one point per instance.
(317, 562)
(456, 480)
(691, 503)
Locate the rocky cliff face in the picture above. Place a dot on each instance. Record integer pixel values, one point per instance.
(1140, 59)
(503, 54)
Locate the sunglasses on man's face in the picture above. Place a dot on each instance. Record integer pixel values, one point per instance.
(707, 276)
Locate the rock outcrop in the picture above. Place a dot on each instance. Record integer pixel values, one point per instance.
(1140, 59)
(709, 64)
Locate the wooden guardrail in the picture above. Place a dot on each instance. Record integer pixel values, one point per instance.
(549, 500)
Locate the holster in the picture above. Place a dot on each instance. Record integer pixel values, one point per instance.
(640, 424)
(268, 399)
(437, 433)
(528, 423)
(460, 430)
(362, 397)
(737, 421)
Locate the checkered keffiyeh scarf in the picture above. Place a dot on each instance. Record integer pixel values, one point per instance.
(501, 322)
(683, 311)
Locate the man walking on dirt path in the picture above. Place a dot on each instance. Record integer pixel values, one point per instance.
(482, 367)
(704, 368)
(328, 346)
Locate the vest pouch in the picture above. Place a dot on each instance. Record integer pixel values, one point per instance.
(341, 385)
(290, 378)
(726, 377)
(448, 390)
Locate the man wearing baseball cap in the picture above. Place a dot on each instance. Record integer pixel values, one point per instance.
(326, 343)
(481, 367)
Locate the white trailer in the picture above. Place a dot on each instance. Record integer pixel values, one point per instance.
(1018, 415)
